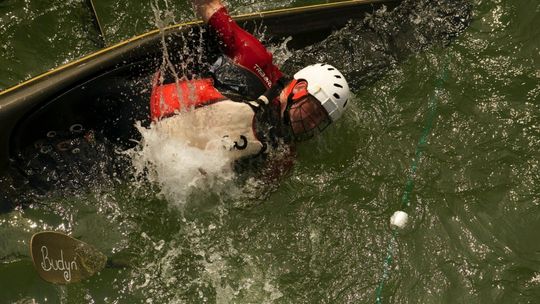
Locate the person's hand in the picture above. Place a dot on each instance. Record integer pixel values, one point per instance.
(206, 8)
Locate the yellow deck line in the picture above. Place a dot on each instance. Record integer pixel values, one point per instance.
(67, 65)
(270, 12)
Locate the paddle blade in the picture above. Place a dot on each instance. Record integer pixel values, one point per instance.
(61, 259)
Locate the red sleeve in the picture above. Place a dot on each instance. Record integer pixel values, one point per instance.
(243, 48)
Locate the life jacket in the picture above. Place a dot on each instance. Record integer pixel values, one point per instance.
(168, 99)
(225, 126)
(230, 77)
(225, 78)
(206, 119)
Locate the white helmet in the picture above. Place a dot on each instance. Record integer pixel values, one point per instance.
(328, 85)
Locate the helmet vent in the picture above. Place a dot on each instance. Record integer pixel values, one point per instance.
(338, 85)
(345, 103)
(331, 69)
(336, 95)
(337, 76)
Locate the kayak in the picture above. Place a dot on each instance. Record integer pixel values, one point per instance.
(108, 90)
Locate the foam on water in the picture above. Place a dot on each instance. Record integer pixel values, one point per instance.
(177, 168)
(193, 268)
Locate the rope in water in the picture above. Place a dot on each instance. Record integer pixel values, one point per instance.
(409, 185)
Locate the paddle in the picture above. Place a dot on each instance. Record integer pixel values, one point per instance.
(61, 259)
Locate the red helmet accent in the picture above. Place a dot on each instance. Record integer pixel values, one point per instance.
(298, 95)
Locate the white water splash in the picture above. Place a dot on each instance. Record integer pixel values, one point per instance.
(177, 168)
(253, 284)
(281, 52)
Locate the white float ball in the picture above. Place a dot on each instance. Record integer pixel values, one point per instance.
(399, 219)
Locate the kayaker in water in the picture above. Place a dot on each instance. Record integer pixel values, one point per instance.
(371, 46)
(275, 108)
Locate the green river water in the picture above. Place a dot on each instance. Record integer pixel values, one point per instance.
(322, 234)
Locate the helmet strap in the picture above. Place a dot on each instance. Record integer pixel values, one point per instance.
(274, 91)
(286, 115)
